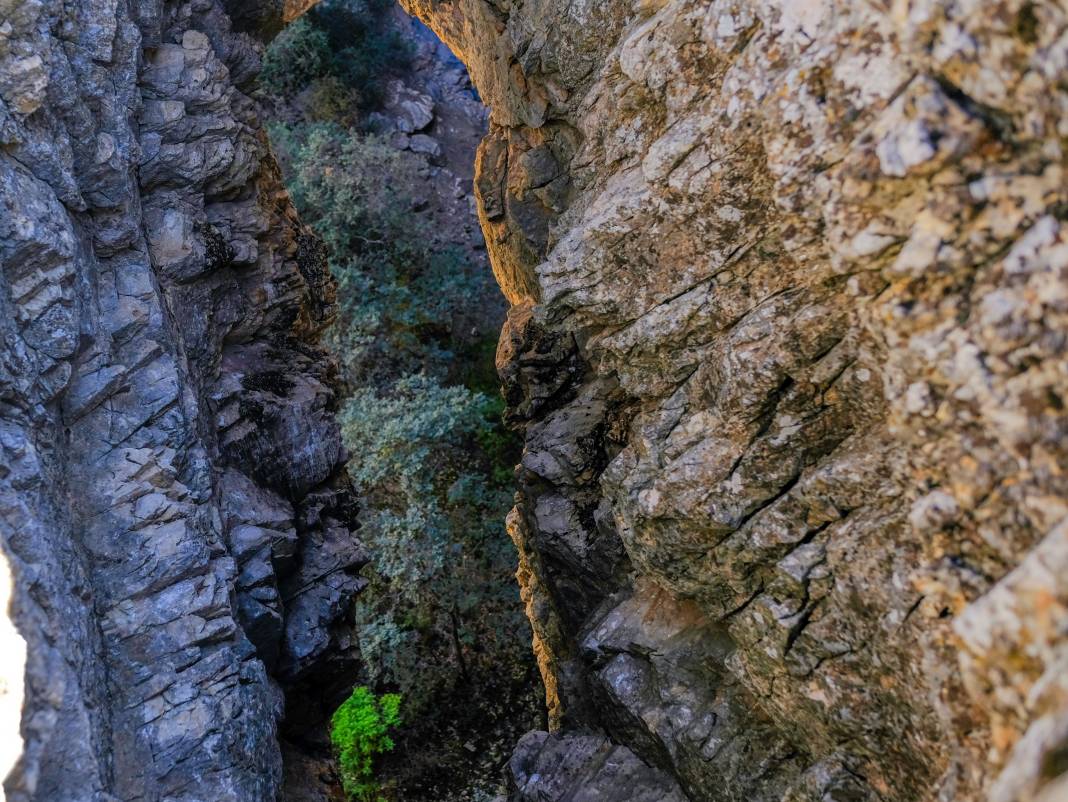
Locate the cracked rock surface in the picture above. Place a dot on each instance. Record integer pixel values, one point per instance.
(789, 287)
(172, 498)
(790, 300)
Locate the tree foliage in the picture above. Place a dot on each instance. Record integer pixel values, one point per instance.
(441, 621)
(397, 293)
(298, 55)
(430, 455)
(341, 51)
(437, 525)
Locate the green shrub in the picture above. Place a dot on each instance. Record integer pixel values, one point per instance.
(365, 48)
(331, 100)
(365, 65)
(398, 293)
(359, 731)
(348, 187)
(348, 42)
(411, 446)
(394, 436)
(434, 522)
(296, 57)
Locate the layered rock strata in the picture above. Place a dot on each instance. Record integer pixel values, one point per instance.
(175, 514)
(788, 345)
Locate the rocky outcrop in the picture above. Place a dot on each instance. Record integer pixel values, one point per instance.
(787, 343)
(174, 511)
(431, 110)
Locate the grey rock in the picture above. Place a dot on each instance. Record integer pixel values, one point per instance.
(170, 459)
(427, 145)
(407, 109)
(545, 768)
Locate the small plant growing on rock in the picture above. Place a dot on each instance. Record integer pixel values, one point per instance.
(359, 731)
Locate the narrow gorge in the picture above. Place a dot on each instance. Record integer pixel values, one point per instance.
(779, 317)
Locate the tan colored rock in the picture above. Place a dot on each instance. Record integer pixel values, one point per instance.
(811, 254)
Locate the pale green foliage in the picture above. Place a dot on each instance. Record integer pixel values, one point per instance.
(392, 319)
(348, 186)
(404, 444)
(359, 731)
(395, 435)
(384, 644)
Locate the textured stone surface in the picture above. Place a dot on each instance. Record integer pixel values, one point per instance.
(172, 502)
(584, 769)
(788, 345)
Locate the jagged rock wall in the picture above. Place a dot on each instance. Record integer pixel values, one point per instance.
(173, 504)
(789, 285)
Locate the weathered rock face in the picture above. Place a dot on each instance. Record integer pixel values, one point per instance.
(173, 507)
(790, 292)
(580, 768)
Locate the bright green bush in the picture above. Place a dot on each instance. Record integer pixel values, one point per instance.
(359, 731)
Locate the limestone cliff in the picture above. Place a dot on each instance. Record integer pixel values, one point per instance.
(788, 347)
(174, 513)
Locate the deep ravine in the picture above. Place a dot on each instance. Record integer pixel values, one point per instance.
(375, 125)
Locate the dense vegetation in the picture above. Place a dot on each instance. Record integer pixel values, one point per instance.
(441, 622)
(340, 52)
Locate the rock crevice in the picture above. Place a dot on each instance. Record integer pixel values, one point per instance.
(786, 346)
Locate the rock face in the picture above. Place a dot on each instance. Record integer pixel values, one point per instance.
(174, 512)
(432, 110)
(790, 301)
(580, 768)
